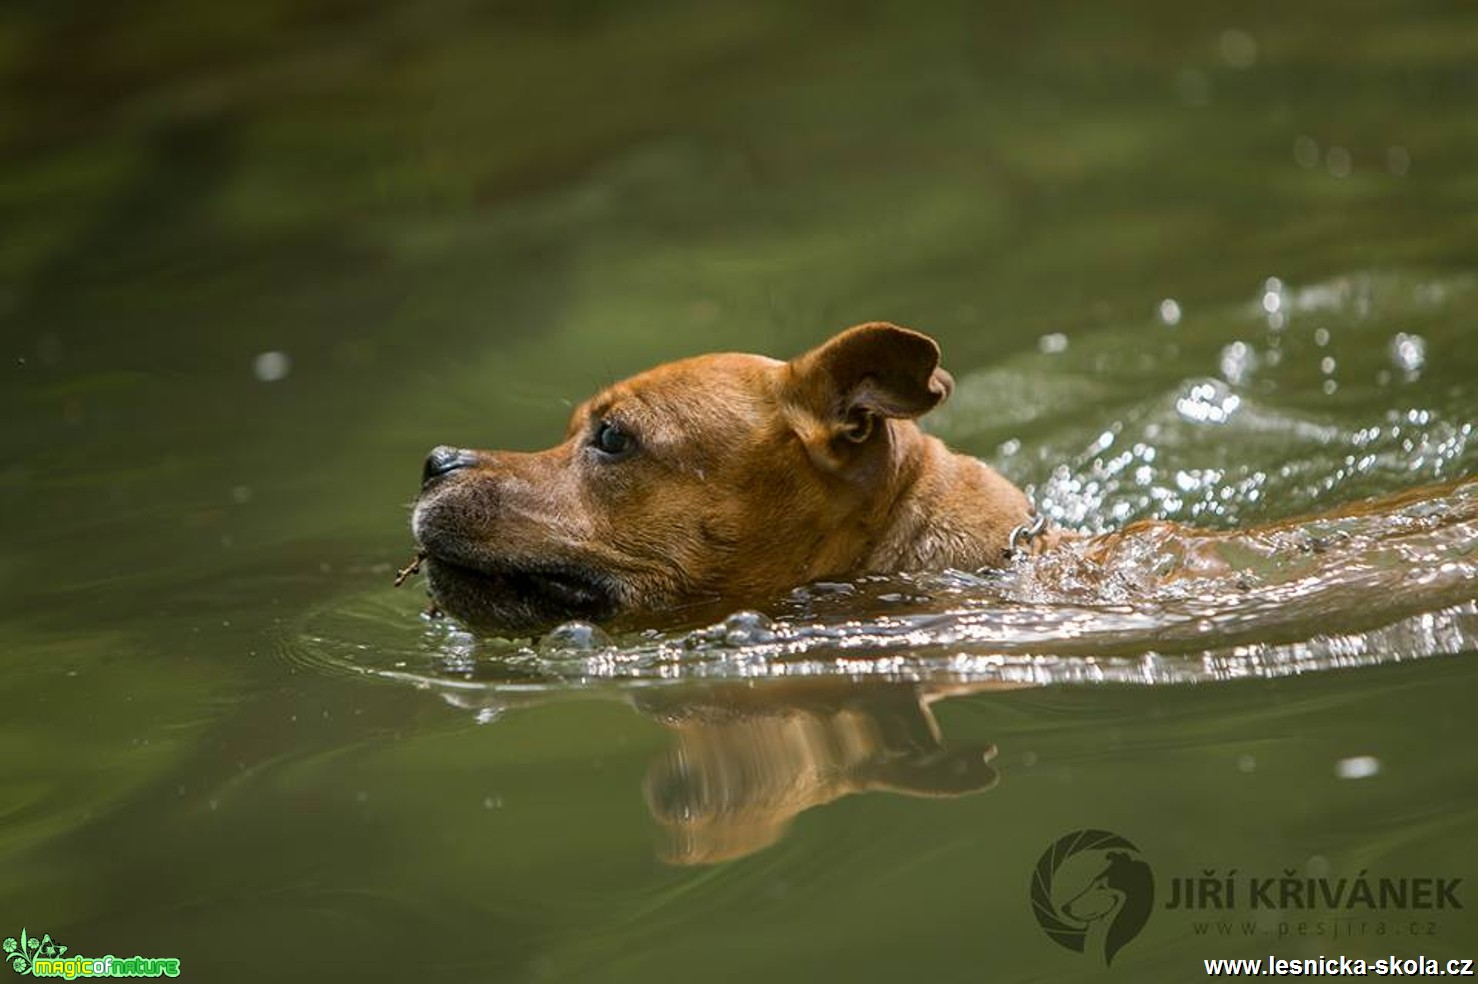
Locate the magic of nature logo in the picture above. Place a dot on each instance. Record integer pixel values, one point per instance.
(41, 956)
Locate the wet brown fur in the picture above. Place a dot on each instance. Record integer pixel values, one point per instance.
(751, 476)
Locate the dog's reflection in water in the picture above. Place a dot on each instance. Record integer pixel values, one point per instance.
(748, 757)
(747, 760)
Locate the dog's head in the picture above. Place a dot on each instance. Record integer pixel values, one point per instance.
(717, 477)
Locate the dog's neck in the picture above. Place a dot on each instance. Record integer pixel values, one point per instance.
(950, 510)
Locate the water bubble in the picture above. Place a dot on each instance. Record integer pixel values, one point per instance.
(1053, 343)
(1357, 767)
(577, 636)
(1246, 763)
(1274, 303)
(1209, 402)
(1237, 362)
(1306, 153)
(1408, 352)
(1169, 312)
(270, 367)
(748, 628)
(1238, 48)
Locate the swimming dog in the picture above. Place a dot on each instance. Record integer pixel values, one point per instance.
(721, 477)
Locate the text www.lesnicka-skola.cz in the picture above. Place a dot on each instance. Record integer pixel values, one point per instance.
(1392, 966)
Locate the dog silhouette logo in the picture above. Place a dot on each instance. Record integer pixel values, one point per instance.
(1092, 893)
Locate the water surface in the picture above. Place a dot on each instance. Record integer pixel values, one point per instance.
(1204, 264)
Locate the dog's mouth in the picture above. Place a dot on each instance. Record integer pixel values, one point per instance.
(499, 594)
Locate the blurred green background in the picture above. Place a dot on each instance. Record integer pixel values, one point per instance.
(256, 259)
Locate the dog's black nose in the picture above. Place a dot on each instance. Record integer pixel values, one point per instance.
(444, 460)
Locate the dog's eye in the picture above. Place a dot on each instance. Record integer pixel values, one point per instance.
(612, 440)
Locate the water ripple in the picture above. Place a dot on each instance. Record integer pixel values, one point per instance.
(1149, 605)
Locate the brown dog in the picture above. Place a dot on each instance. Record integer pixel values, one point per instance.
(730, 477)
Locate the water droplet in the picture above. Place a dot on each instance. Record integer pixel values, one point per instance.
(1053, 343)
(270, 367)
(1408, 352)
(1237, 362)
(1306, 153)
(1238, 48)
(1209, 402)
(1357, 767)
(1169, 312)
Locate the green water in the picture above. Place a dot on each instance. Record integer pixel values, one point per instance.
(225, 737)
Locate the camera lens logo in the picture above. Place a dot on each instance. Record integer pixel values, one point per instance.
(1092, 893)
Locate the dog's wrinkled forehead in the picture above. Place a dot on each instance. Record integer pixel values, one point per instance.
(703, 400)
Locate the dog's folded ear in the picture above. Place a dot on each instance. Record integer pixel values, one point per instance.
(870, 371)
